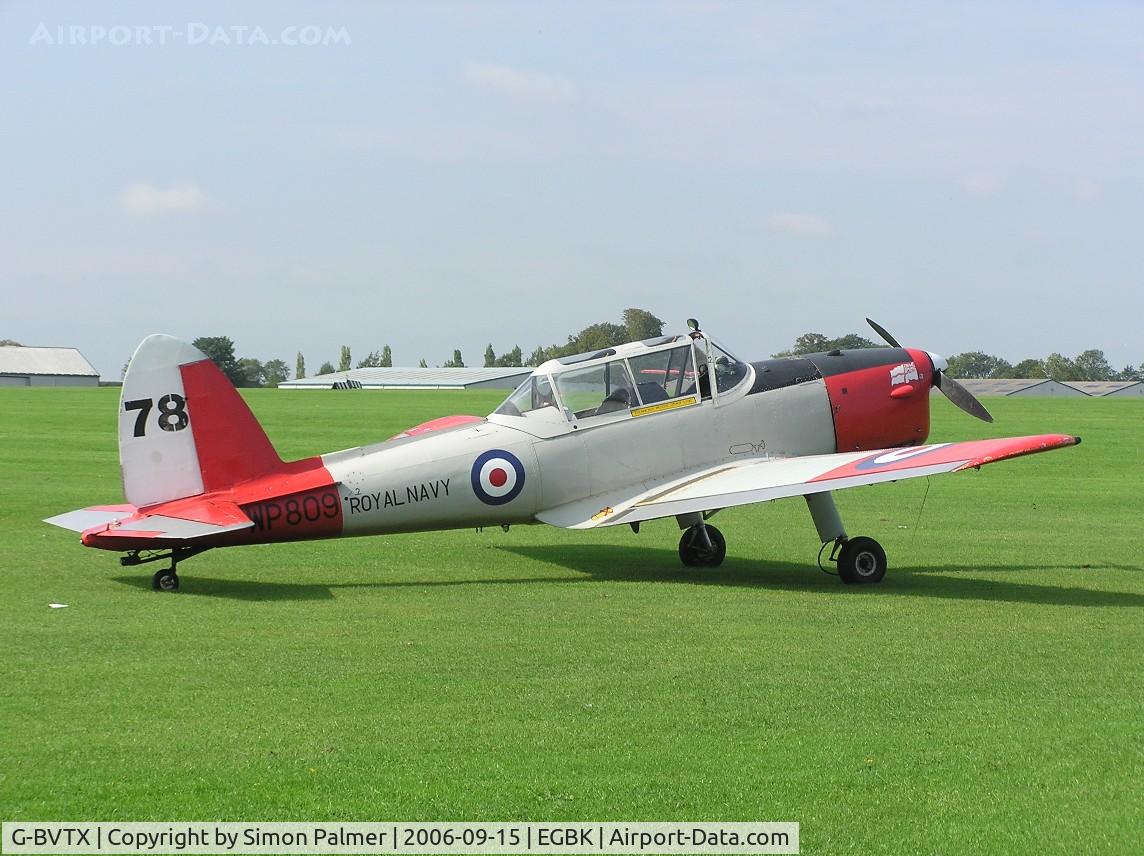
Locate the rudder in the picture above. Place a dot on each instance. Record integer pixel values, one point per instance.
(183, 427)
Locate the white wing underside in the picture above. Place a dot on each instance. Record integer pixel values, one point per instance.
(763, 479)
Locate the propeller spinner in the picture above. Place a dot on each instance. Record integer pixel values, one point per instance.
(950, 388)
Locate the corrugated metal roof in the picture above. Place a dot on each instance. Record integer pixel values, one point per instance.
(1047, 386)
(411, 377)
(44, 361)
(999, 386)
(1101, 387)
(1136, 388)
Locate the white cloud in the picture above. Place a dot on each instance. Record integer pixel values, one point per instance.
(1087, 190)
(804, 225)
(517, 83)
(981, 186)
(145, 200)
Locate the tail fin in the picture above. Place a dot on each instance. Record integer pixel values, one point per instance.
(183, 427)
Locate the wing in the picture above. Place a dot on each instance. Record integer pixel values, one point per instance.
(763, 479)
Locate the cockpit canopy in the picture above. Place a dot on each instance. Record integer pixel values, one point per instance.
(616, 380)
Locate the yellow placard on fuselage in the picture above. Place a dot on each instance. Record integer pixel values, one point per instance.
(665, 405)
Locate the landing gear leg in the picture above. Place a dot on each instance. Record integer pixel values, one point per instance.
(166, 579)
(826, 518)
(860, 560)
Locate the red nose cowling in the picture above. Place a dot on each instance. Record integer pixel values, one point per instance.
(883, 406)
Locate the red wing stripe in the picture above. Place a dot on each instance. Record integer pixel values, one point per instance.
(971, 453)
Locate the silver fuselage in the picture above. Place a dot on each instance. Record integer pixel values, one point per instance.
(428, 482)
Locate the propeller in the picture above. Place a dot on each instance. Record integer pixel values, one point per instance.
(950, 388)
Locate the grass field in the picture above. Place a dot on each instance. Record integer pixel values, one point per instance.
(988, 697)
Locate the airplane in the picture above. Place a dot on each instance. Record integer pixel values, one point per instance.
(674, 426)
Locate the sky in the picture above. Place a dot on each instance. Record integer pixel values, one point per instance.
(436, 176)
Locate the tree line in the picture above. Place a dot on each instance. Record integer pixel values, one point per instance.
(1087, 365)
(635, 324)
(638, 324)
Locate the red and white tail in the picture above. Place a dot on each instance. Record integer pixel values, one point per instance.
(183, 428)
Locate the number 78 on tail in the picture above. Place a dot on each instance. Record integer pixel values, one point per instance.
(674, 426)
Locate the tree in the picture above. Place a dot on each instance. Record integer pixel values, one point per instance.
(512, 358)
(326, 368)
(422, 364)
(386, 357)
(300, 366)
(276, 372)
(852, 341)
(641, 325)
(251, 372)
(1030, 368)
(637, 324)
(976, 364)
(1060, 367)
(456, 362)
(811, 343)
(1091, 365)
(5, 343)
(344, 362)
(372, 361)
(815, 343)
(221, 351)
(1130, 373)
(595, 337)
(490, 356)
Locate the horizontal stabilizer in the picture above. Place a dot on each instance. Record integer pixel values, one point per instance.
(125, 527)
(160, 526)
(83, 519)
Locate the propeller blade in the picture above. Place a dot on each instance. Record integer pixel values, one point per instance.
(881, 331)
(952, 390)
(960, 396)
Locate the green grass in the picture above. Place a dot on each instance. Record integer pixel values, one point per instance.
(986, 697)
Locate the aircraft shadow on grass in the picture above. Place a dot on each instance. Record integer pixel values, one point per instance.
(594, 563)
(244, 589)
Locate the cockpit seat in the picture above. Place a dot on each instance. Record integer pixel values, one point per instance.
(652, 392)
(619, 399)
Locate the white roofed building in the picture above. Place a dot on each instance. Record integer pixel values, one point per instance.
(20, 366)
(414, 378)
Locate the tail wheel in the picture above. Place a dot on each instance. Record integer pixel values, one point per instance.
(702, 546)
(861, 560)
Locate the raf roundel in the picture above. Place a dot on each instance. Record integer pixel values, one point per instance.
(498, 477)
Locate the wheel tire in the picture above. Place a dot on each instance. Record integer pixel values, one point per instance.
(694, 554)
(862, 560)
(165, 580)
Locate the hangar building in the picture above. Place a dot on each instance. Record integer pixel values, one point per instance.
(1109, 388)
(1067, 389)
(510, 378)
(21, 366)
(1020, 387)
(415, 378)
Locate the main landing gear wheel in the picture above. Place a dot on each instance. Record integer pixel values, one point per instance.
(861, 560)
(165, 580)
(702, 546)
